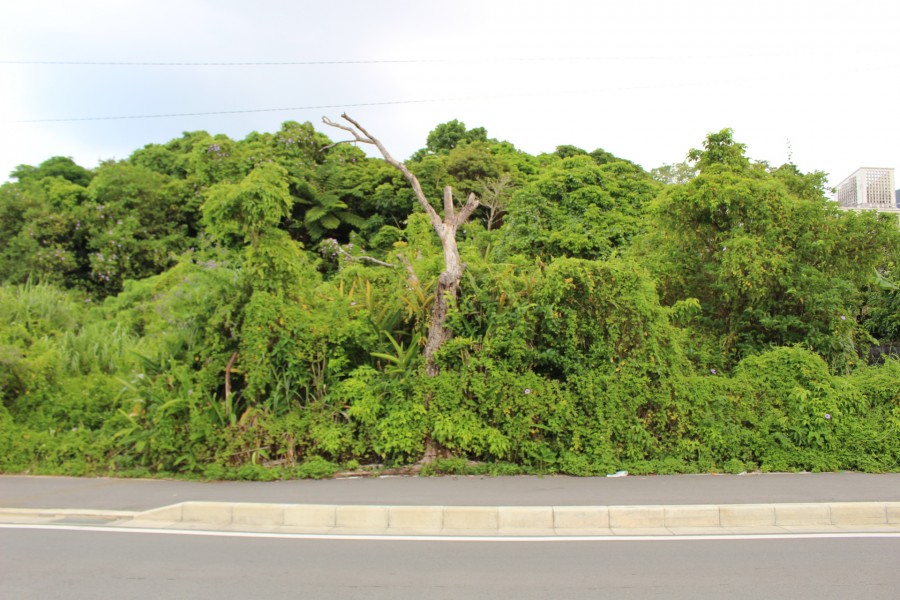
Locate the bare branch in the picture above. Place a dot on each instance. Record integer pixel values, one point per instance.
(356, 134)
(448, 204)
(467, 209)
(332, 245)
(361, 135)
(375, 261)
(413, 278)
(332, 145)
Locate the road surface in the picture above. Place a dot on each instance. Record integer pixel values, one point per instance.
(75, 564)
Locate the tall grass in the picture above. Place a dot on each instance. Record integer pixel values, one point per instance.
(38, 309)
(36, 312)
(98, 346)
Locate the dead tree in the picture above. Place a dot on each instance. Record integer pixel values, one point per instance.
(494, 194)
(446, 228)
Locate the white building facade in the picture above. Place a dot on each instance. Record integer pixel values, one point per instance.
(868, 188)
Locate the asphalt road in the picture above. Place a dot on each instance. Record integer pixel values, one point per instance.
(38, 564)
(138, 494)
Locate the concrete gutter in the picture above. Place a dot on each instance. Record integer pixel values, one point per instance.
(44, 514)
(524, 520)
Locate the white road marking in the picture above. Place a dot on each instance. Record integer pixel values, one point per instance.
(457, 538)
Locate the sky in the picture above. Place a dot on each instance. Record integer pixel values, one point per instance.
(811, 82)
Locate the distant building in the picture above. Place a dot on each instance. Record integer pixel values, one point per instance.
(867, 188)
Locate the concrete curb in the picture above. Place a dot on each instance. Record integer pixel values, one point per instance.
(535, 520)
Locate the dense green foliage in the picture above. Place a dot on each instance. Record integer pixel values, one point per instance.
(258, 308)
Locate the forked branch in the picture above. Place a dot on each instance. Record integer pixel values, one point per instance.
(361, 135)
(467, 209)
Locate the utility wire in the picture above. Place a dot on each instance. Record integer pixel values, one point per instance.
(237, 112)
(683, 84)
(108, 63)
(479, 98)
(214, 64)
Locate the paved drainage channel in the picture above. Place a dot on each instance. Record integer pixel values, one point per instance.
(84, 521)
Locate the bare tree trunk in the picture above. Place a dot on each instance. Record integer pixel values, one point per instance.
(446, 228)
(228, 368)
(444, 296)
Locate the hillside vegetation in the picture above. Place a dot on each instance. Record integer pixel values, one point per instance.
(259, 308)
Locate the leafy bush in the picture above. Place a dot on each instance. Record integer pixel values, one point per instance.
(605, 321)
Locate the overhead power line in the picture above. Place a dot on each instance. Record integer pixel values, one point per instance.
(289, 63)
(111, 63)
(358, 104)
(323, 106)
(682, 84)
(237, 112)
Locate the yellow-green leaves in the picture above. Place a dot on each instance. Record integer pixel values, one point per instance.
(260, 201)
